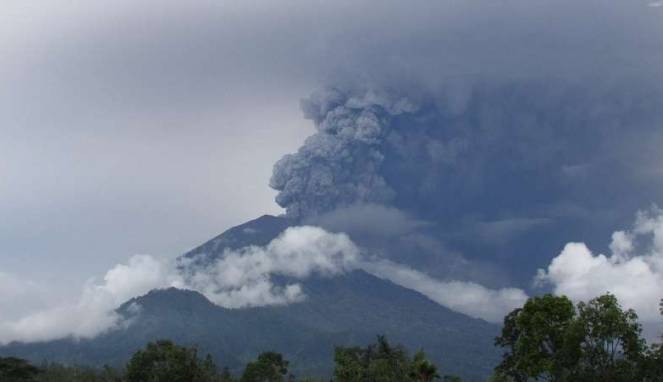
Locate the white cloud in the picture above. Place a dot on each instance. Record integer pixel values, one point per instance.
(243, 278)
(633, 272)
(468, 298)
(94, 311)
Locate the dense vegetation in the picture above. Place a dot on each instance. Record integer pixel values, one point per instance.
(548, 339)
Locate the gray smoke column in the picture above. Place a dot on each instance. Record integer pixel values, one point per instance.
(497, 149)
(340, 164)
(500, 170)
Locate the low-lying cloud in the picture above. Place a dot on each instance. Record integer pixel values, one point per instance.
(240, 279)
(633, 271)
(468, 298)
(94, 311)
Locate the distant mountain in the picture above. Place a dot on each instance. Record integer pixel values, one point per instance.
(345, 310)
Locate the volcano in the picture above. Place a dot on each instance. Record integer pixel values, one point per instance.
(348, 309)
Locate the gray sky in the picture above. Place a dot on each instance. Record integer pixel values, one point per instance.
(148, 127)
(124, 131)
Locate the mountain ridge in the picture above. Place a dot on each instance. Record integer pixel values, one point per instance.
(346, 310)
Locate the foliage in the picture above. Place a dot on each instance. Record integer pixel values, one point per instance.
(651, 369)
(536, 339)
(611, 347)
(163, 361)
(550, 339)
(423, 369)
(269, 367)
(382, 362)
(16, 369)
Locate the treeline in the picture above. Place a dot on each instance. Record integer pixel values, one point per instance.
(548, 339)
(164, 361)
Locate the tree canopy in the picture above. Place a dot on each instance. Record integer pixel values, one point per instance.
(15, 369)
(551, 339)
(383, 362)
(164, 361)
(269, 367)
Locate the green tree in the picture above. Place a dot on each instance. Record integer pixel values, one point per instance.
(382, 362)
(550, 339)
(164, 361)
(377, 362)
(610, 341)
(16, 369)
(536, 341)
(423, 370)
(350, 364)
(387, 363)
(269, 367)
(651, 368)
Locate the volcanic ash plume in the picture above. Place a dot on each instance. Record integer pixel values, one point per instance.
(339, 165)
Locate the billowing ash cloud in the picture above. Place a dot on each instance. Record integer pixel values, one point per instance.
(633, 271)
(510, 169)
(521, 144)
(340, 165)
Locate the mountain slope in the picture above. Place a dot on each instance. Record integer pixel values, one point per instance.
(345, 310)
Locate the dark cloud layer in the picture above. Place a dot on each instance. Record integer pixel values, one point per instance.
(548, 130)
(571, 159)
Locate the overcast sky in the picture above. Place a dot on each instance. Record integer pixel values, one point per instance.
(133, 129)
(148, 127)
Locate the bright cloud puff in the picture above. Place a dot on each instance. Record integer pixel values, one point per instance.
(633, 271)
(243, 278)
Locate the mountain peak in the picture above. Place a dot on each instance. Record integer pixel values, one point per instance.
(257, 232)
